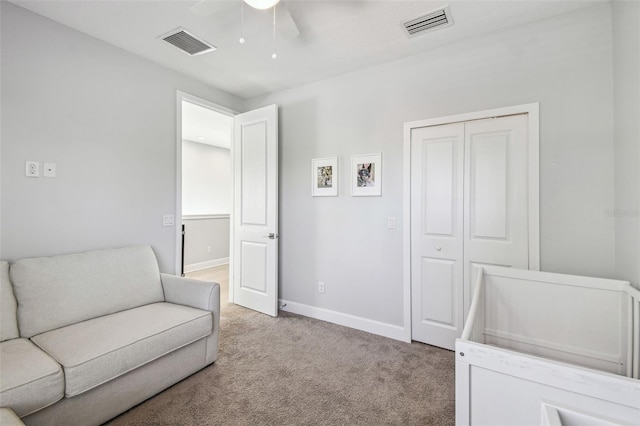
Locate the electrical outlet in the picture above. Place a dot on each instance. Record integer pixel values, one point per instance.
(321, 287)
(209, 249)
(32, 169)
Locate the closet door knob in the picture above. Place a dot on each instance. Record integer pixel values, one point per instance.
(438, 248)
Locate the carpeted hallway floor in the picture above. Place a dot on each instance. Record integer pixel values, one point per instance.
(294, 370)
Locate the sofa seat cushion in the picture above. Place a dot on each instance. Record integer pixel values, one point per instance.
(29, 378)
(95, 351)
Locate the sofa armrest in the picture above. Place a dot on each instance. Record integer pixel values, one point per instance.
(186, 291)
(197, 294)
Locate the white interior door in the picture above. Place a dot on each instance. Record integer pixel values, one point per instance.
(437, 271)
(469, 206)
(255, 213)
(496, 230)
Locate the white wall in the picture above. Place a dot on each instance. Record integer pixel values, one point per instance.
(206, 190)
(108, 119)
(626, 62)
(206, 179)
(564, 63)
(206, 242)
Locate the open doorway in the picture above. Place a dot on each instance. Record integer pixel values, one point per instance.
(252, 239)
(205, 190)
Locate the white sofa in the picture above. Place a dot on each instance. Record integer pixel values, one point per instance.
(84, 337)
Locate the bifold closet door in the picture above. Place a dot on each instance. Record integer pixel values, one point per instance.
(437, 237)
(496, 225)
(469, 195)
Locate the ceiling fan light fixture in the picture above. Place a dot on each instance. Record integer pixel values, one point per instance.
(261, 4)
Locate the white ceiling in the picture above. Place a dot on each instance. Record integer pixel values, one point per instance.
(335, 36)
(205, 126)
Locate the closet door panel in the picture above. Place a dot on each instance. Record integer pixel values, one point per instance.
(437, 162)
(496, 195)
(488, 206)
(469, 195)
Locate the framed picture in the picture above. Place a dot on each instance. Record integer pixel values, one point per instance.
(366, 175)
(324, 177)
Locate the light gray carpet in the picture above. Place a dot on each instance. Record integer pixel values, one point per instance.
(294, 370)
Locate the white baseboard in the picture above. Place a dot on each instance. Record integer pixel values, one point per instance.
(370, 326)
(205, 265)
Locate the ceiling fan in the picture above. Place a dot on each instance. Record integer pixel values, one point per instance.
(285, 26)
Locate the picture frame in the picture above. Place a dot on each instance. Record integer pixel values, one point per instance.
(324, 177)
(366, 175)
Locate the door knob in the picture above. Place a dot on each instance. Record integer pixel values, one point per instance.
(271, 236)
(438, 248)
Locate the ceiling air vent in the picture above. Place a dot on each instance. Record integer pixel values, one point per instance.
(187, 42)
(433, 20)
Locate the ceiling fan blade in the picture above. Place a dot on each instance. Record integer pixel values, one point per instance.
(285, 24)
(208, 8)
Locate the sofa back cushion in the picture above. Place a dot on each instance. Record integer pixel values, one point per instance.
(8, 318)
(54, 292)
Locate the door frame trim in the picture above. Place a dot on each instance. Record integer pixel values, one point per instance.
(533, 153)
(180, 97)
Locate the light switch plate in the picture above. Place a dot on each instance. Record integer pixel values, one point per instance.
(168, 220)
(391, 223)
